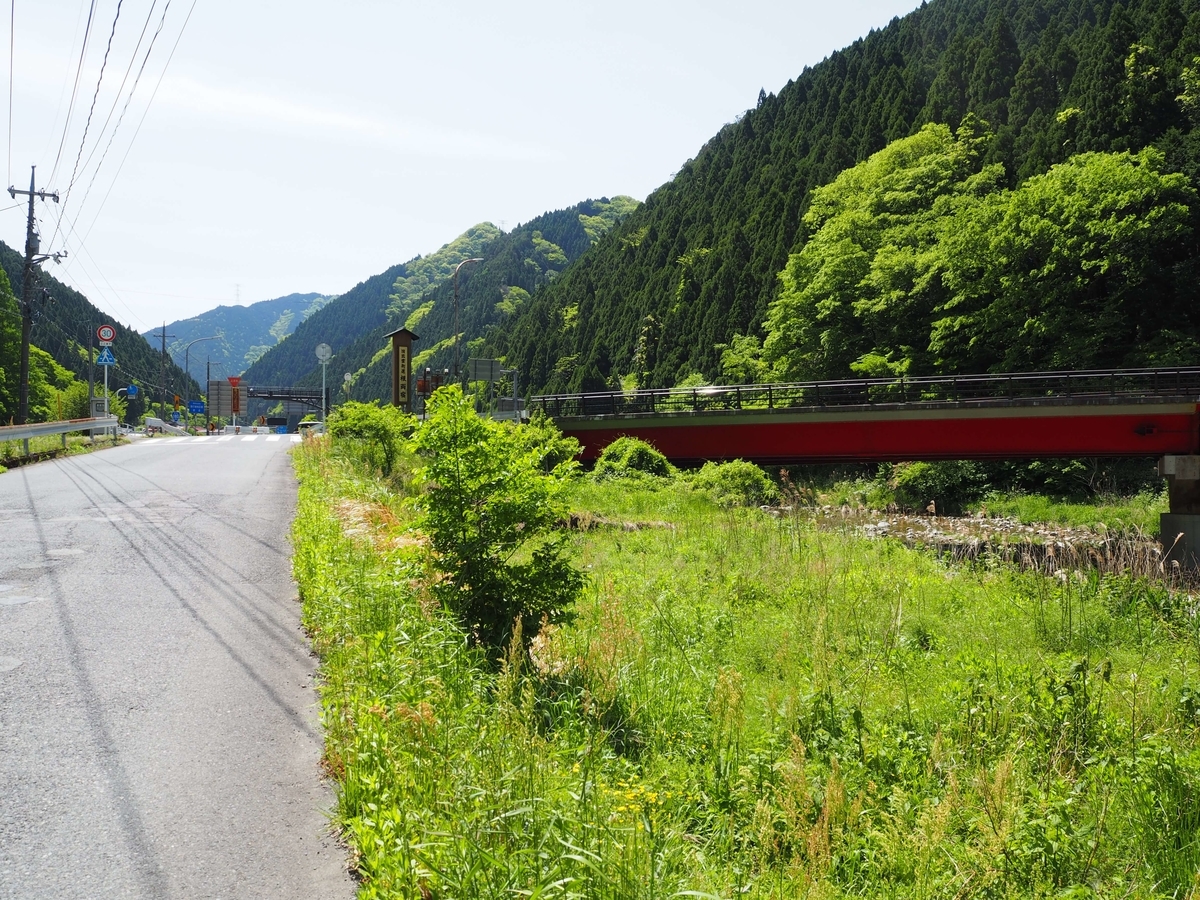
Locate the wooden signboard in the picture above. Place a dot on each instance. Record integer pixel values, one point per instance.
(402, 341)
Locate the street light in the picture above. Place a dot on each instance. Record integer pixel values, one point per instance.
(186, 360)
(457, 336)
(324, 353)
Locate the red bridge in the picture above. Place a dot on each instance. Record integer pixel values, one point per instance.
(1131, 412)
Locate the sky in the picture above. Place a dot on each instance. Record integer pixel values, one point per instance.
(276, 147)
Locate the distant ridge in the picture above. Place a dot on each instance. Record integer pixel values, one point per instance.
(246, 332)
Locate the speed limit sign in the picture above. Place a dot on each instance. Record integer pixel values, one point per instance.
(106, 333)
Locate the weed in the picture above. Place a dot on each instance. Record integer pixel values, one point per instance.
(750, 705)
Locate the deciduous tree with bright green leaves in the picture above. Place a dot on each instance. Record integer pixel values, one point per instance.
(921, 261)
(491, 509)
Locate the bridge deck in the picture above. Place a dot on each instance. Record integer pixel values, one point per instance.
(1144, 412)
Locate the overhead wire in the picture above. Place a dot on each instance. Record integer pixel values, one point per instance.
(145, 112)
(91, 110)
(72, 225)
(128, 99)
(65, 340)
(76, 259)
(120, 89)
(87, 33)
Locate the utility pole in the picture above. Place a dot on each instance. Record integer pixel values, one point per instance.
(162, 381)
(33, 256)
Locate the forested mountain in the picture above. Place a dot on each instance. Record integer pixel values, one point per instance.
(515, 265)
(691, 276)
(244, 333)
(419, 295)
(359, 311)
(62, 326)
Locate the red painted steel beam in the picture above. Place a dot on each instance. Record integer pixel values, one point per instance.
(1016, 432)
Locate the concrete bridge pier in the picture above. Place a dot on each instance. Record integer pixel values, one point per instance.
(1180, 528)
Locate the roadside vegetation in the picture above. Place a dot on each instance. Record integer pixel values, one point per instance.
(722, 702)
(12, 453)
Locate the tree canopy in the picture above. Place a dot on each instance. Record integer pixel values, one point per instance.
(920, 261)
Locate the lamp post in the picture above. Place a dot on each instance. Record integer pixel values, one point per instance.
(324, 352)
(457, 336)
(186, 360)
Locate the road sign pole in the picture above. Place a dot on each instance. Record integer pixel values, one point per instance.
(106, 397)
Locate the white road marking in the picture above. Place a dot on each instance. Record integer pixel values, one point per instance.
(250, 437)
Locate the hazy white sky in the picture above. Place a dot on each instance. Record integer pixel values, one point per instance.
(305, 146)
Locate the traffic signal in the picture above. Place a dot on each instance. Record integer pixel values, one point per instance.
(177, 401)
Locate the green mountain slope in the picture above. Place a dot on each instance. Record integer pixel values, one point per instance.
(62, 328)
(515, 266)
(699, 262)
(245, 332)
(362, 309)
(419, 294)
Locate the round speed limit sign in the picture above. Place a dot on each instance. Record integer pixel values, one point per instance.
(106, 333)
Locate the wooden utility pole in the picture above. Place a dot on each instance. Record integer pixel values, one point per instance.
(33, 256)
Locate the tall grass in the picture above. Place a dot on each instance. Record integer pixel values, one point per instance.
(1137, 513)
(751, 707)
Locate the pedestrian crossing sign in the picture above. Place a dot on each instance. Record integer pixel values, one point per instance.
(106, 358)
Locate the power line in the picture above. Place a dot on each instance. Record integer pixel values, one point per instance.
(87, 33)
(128, 99)
(120, 89)
(81, 247)
(91, 110)
(146, 111)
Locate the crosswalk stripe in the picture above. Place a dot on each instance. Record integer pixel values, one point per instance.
(206, 438)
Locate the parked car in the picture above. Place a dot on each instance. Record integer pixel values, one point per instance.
(310, 428)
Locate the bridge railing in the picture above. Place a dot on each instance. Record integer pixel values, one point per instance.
(1098, 386)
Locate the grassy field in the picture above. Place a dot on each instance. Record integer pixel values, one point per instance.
(1137, 513)
(747, 706)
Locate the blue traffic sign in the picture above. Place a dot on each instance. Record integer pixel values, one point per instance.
(106, 358)
(175, 415)
(195, 407)
(131, 391)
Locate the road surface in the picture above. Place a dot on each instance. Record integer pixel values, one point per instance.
(159, 733)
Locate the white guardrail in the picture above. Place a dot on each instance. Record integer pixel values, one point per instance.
(41, 429)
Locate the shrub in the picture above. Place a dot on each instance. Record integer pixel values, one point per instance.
(554, 448)
(372, 433)
(735, 483)
(948, 483)
(491, 513)
(629, 457)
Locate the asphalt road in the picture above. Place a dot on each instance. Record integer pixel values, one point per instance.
(158, 722)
